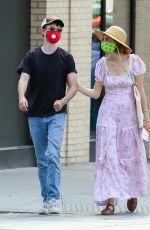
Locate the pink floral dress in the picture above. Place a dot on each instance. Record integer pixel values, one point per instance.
(121, 165)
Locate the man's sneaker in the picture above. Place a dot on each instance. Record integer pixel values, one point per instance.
(44, 210)
(54, 206)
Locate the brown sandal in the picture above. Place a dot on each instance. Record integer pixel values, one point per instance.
(132, 204)
(109, 210)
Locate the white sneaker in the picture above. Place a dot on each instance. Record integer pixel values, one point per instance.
(44, 210)
(54, 206)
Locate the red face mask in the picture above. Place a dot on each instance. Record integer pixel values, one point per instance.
(53, 36)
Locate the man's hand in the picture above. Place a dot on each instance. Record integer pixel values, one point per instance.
(58, 105)
(23, 104)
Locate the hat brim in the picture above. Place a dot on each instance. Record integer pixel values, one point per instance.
(54, 20)
(100, 36)
(57, 20)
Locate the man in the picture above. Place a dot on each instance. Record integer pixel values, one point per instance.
(44, 73)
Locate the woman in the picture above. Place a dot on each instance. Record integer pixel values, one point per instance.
(121, 165)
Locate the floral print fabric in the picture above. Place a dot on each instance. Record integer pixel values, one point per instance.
(121, 165)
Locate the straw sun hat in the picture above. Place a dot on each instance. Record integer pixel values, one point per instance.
(116, 33)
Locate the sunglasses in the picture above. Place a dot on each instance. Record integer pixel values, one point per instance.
(54, 29)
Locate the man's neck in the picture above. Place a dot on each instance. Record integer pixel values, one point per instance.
(48, 48)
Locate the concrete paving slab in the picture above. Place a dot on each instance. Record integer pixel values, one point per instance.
(75, 222)
(20, 201)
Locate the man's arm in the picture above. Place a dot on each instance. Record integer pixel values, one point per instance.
(22, 86)
(72, 84)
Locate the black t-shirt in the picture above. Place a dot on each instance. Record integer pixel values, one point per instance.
(48, 75)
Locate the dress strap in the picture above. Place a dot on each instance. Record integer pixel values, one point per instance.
(131, 74)
(131, 64)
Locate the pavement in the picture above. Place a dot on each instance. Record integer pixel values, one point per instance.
(20, 201)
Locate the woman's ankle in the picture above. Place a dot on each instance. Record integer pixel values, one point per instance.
(110, 201)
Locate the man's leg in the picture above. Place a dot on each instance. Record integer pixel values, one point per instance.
(56, 124)
(38, 131)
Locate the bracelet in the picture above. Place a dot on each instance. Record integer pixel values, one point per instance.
(145, 110)
(64, 100)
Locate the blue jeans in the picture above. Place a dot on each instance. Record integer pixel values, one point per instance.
(47, 134)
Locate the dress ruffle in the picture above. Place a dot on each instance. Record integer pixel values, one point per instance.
(120, 173)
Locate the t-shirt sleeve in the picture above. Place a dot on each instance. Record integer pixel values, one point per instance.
(100, 69)
(25, 65)
(71, 68)
(138, 65)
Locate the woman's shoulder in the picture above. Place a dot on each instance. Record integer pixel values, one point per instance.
(137, 64)
(101, 61)
(135, 57)
(100, 69)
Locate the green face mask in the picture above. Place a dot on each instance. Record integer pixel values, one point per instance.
(108, 47)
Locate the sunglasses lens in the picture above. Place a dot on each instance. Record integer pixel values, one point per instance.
(52, 29)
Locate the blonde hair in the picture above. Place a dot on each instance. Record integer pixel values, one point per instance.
(122, 49)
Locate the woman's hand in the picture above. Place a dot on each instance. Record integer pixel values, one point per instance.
(146, 124)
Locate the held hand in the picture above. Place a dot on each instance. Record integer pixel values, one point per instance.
(146, 124)
(79, 88)
(23, 104)
(58, 105)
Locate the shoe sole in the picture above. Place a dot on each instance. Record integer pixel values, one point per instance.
(44, 212)
(54, 212)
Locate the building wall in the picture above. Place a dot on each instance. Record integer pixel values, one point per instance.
(121, 14)
(15, 149)
(76, 39)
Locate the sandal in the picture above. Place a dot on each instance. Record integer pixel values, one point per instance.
(132, 204)
(109, 210)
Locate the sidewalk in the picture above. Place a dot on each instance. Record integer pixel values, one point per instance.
(20, 201)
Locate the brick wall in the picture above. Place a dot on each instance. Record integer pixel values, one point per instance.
(76, 38)
(38, 12)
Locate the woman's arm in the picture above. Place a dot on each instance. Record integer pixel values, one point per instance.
(93, 93)
(139, 80)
